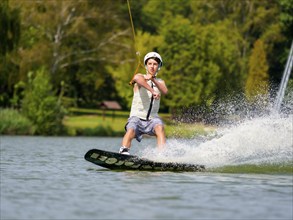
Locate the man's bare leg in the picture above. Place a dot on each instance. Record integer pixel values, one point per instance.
(161, 137)
(128, 137)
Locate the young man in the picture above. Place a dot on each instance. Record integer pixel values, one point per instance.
(144, 118)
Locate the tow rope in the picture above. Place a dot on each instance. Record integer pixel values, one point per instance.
(137, 52)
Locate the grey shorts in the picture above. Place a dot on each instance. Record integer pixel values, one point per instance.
(142, 126)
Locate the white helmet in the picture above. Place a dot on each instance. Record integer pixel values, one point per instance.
(155, 56)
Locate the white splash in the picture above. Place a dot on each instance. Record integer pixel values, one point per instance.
(260, 140)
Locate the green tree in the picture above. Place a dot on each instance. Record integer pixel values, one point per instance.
(10, 35)
(286, 17)
(257, 80)
(154, 11)
(41, 106)
(74, 40)
(9, 27)
(254, 19)
(88, 45)
(180, 70)
(200, 62)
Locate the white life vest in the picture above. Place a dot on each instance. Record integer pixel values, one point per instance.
(144, 105)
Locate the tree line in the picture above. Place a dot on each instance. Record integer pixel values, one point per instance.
(86, 52)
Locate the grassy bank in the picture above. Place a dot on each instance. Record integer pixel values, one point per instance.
(109, 123)
(12, 122)
(91, 122)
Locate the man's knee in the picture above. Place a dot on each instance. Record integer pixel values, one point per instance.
(130, 132)
(159, 129)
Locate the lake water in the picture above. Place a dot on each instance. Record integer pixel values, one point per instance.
(48, 178)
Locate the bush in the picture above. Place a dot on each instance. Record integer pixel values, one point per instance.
(12, 122)
(41, 106)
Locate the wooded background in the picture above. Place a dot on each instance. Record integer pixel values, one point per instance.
(84, 51)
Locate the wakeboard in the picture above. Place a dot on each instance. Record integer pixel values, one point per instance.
(116, 161)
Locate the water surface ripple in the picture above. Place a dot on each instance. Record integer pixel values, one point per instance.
(48, 178)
